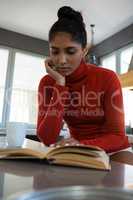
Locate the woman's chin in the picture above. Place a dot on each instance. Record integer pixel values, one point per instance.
(65, 73)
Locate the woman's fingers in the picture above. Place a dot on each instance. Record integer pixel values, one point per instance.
(51, 70)
(65, 142)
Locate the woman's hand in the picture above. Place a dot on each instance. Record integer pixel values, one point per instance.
(51, 70)
(68, 141)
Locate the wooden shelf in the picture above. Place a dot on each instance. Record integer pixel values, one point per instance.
(126, 79)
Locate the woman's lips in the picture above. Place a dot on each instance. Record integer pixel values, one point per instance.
(64, 71)
(64, 68)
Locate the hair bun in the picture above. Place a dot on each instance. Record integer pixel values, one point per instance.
(69, 13)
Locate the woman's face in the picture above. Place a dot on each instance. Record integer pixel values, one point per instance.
(65, 53)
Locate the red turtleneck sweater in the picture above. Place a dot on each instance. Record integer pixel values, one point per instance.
(91, 104)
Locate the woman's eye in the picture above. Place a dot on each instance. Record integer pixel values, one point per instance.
(54, 52)
(70, 51)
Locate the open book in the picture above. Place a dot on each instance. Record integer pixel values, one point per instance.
(71, 155)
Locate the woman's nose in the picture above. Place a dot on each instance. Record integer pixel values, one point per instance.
(62, 59)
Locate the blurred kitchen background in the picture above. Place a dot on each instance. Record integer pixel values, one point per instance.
(24, 26)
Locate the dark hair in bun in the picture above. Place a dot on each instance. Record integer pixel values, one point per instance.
(70, 21)
(69, 13)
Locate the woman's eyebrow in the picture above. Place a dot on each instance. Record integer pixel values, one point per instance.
(69, 47)
(53, 47)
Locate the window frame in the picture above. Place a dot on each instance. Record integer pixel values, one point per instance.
(2, 123)
(118, 57)
(9, 84)
(120, 52)
(117, 53)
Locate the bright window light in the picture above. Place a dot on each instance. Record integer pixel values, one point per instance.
(28, 71)
(128, 104)
(125, 59)
(109, 62)
(3, 68)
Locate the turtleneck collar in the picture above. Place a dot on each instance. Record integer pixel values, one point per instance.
(78, 76)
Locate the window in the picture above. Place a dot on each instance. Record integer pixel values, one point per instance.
(109, 62)
(20, 74)
(28, 70)
(119, 61)
(128, 99)
(3, 68)
(125, 58)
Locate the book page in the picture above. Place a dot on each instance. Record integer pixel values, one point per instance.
(34, 145)
(29, 149)
(80, 160)
(81, 155)
(77, 149)
(20, 153)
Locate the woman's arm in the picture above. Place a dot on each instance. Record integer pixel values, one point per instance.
(112, 135)
(50, 110)
(110, 142)
(51, 99)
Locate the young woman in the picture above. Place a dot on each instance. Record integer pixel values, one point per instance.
(87, 97)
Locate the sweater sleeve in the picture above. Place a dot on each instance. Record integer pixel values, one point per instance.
(51, 100)
(112, 135)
